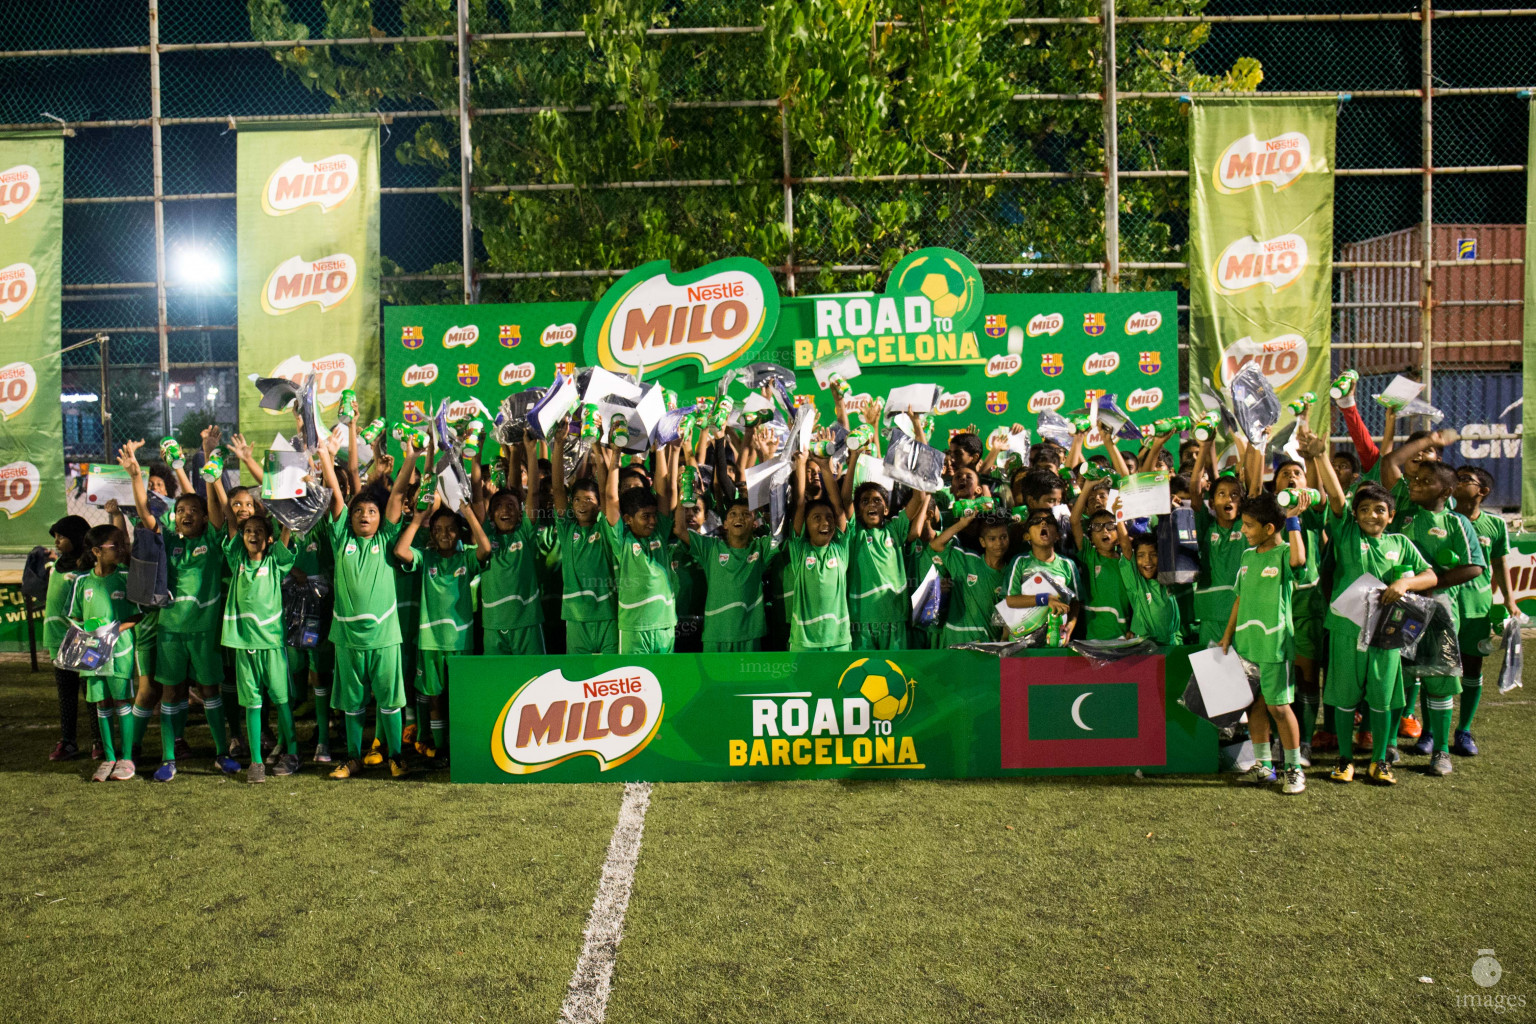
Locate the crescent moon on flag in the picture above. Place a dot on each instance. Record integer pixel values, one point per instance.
(1077, 718)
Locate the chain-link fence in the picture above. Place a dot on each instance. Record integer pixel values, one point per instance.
(823, 137)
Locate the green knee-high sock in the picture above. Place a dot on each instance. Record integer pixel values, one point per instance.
(1411, 689)
(323, 715)
(423, 716)
(134, 724)
(1306, 718)
(1471, 697)
(392, 728)
(378, 725)
(104, 715)
(253, 731)
(179, 718)
(213, 710)
(1438, 721)
(1383, 728)
(355, 735)
(439, 734)
(230, 696)
(1344, 726)
(285, 732)
(168, 731)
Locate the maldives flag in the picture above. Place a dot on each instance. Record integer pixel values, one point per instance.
(1078, 716)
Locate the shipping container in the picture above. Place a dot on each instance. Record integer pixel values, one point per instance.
(1392, 332)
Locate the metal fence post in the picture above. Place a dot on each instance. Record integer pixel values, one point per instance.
(789, 201)
(1427, 253)
(466, 154)
(157, 156)
(1111, 155)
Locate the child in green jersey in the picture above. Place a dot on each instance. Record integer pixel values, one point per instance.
(1449, 543)
(639, 534)
(977, 581)
(511, 605)
(1482, 620)
(1220, 533)
(100, 594)
(1107, 603)
(816, 564)
(1154, 608)
(69, 548)
(1362, 545)
(1261, 628)
(1308, 607)
(587, 605)
(253, 629)
(1052, 603)
(878, 601)
(365, 626)
(188, 630)
(732, 565)
(447, 569)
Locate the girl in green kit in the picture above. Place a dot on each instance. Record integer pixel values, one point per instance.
(816, 566)
(100, 594)
(253, 629)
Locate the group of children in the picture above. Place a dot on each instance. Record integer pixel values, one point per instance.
(608, 553)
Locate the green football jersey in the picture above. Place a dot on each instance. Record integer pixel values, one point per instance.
(547, 568)
(195, 575)
(253, 611)
(1221, 553)
(733, 587)
(364, 586)
(877, 573)
(1026, 569)
(56, 609)
(647, 586)
(1492, 535)
(1107, 604)
(447, 603)
(976, 589)
(1266, 631)
(1308, 600)
(1154, 607)
(408, 590)
(1389, 558)
(105, 597)
(509, 582)
(690, 579)
(1447, 540)
(817, 579)
(586, 571)
(312, 552)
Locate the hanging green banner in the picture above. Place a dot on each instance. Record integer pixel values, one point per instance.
(1527, 465)
(1261, 240)
(308, 222)
(31, 428)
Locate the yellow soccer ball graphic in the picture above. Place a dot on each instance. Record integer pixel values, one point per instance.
(883, 684)
(936, 288)
(943, 282)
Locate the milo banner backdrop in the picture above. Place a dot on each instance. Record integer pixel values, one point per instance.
(1528, 413)
(308, 222)
(31, 429)
(1261, 227)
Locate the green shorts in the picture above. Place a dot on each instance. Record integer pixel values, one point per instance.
(360, 672)
(184, 657)
(145, 648)
(261, 677)
(1374, 675)
(647, 641)
(798, 649)
(1475, 638)
(732, 646)
(320, 660)
(879, 636)
(600, 636)
(410, 660)
(432, 672)
(1440, 686)
(1275, 683)
(99, 688)
(1311, 639)
(525, 640)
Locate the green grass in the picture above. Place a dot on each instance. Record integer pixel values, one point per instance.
(1090, 899)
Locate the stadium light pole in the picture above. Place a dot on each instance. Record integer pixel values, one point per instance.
(157, 157)
(466, 155)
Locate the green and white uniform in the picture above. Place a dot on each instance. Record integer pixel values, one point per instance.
(106, 598)
(691, 587)
(1221, 552)
(1154, 607)
(818, 579)
(1106, 605)
(977, 587)
(253, 622)
(188, 632)
(1447, 540)
(878, 608)
(647, 587)
(56, 610)
(1025, 568)
(1477, 624)
(366, 626)
(1265, 633)
(1309, 604)
(408, 609)
(734, 618)
(588, 603)
(511, 611)
(447, 611)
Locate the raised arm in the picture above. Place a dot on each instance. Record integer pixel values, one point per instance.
(941, 542)
(218, 504)
(1078, 504)
(610, 474)
(557, 469)
(1116, 457)
(395, 506)
(917, 513)
(1315, 450)
(352, 459)
(667, 478)
(1253, 469)
(128, 459)
(405, 549)
(839, 510)
(326, 457)
(242, 449)
(800, 458)
(482, 541)
(1392, 462)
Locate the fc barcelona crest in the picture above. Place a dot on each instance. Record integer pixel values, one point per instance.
(569, 369)
(996, 325)
(414, 412)
(1051, 364)
(997, 402)
(469, 374)
(411, 337)
(511, 335)
(1151, 362)
(1093, 324)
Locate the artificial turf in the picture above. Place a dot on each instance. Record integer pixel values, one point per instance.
(1073, 899)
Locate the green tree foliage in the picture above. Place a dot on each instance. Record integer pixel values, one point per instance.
(868, 89)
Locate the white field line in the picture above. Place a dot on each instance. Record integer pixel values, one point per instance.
(586, 997)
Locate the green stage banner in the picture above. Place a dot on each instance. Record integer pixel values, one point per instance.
(1527, 464)
(1261, 244)
(31, 427)
(1000, 358)
(308, 223)
(947, 714)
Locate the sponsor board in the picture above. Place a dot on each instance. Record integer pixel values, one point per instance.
(298, 183)
(418, 375)
(461, 337)
(1248, 263)
(609, 717)
(297, 282)
(1251, 161)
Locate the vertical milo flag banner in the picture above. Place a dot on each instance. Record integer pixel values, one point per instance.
(307, 218)
(1527, 464)
(1261, 228)
(31, 428)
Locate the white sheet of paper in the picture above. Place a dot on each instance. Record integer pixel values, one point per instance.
(109, 484)
(843, 363)
(903, 423)
(1011, 616)
(639, 436)
(872, 470)
(1351, 604)
(603, 385)
(555, 407)
(1223, 684)
(283, 475)
(763, 477)
(281, 444)
(921, 594)
(756, 403)
(1019, 442)
(912, 398)
(1144, 495)
(1399, 392)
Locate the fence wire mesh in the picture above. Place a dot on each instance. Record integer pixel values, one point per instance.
(823, 137)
